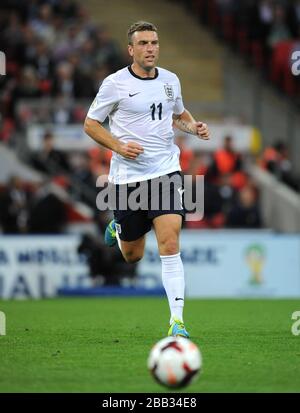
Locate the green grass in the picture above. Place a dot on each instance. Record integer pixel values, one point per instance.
(101, 345)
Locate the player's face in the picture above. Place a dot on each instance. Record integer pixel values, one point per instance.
(144, 49)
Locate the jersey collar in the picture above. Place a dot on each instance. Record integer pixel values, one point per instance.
(143, 78)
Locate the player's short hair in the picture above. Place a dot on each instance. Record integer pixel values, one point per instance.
(140, 26)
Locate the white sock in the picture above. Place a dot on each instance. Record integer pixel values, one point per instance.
(173, 282)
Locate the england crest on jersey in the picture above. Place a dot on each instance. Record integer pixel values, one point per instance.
(169, 91)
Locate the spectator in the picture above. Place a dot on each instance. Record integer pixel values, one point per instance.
(49, 160)
(28, 86)
(40, 58)
(186, 154)
(80, 165)
(14, 204)
(99, 160)
(266, 17)
(226, 161)
(276, 160)
(70, 43)
(67, 9)
(84, 182)
(199, 163)
(62, 112)
(64, 81)
(106, 265)
(83, 75)
(107, 50)
(99, 74)
(11, 37)
(293, 17)
(279, 30)
(42, 24)
(47, 211)
(245, 212)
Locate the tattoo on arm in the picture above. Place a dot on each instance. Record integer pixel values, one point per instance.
(184, 126)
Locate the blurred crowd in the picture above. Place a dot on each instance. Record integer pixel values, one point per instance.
(265, 32)
(56, 60)
(276, 160)
(231, 199)
(43, 208)
(53, 49)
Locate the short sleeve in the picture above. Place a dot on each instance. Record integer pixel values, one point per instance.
(105, 101)
(178, 107)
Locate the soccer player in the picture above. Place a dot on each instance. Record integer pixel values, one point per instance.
(143, 103)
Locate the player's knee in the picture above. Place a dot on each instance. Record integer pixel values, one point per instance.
(169, 246)
(132, 257)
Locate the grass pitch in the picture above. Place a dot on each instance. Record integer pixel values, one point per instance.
(102, 344)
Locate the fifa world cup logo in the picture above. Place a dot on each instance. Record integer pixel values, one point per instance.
(255, 258)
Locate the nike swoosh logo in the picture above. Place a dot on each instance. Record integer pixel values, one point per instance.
(177, 299)
(133, 94)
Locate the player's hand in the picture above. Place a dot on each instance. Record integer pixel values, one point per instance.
(202, 130)
(130, 150)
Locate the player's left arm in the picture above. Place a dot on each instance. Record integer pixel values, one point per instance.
(187, 123)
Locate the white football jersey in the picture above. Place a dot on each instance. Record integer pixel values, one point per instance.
(140, 110)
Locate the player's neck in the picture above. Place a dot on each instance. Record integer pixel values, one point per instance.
(139, 71)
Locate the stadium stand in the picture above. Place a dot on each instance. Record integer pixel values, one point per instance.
(57, 57)
(264, 32)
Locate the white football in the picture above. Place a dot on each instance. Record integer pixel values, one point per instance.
(175, 362)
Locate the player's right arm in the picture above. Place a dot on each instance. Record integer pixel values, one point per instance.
(102, 136)
(104, 104)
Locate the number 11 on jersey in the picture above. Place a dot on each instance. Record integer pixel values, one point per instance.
(153, 110)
